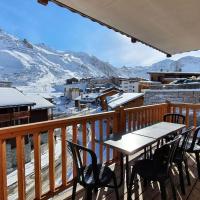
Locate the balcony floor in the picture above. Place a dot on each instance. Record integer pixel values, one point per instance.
(150, 192)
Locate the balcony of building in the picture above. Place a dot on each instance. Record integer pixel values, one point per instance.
(54, 179)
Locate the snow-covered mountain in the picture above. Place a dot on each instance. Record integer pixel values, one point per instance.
(27, 64)
(24, 63)
(185, 64)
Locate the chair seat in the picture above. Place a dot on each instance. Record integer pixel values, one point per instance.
(105, 175)
(150, 170)
(195, 149)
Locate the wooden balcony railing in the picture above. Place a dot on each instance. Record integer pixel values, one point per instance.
(83, 129)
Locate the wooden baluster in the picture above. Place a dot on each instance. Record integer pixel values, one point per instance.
(142, 118)
(101, 139)
(134, 120)
(3, 171)
(64, 155)
(116, 121)
(84, 140)
(74, 140)
(194, 117)
(107, 135)
(153, 115)
(138, 119)
(146, 118)
(187, 116)
(180, 110)
(174, 109)
(93, 135)
(129, 121)
(51, 160)
(37, 165)
(21, 168)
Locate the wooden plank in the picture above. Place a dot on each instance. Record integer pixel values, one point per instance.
(20, 168)
(3, 171)
(129, 121)
(51, 160)
(93, 144)
(37, 165)
(74, 140)
(187, 116)
(134, 121)
(115, 131)
(64, 155)
(84, 140)
(194, 117)
(107, 134)
(101, 138)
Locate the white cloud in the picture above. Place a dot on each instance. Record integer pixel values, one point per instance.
(136, 54)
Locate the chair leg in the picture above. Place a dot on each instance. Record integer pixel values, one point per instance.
(88, 195)
(116, 188)
(96, 189)
(173, 187)
(131, 184)
(187, 171)
(163, 190)
(74, 189)
(198, 163)
(181, 179)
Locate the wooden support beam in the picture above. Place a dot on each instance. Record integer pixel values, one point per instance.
(43, 2)
(3, 171)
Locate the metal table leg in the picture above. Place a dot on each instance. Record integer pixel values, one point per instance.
(127, 173)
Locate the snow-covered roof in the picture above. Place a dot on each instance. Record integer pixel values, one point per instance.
(40, 102)
(11, 97)
(122, 98)
(190, 73)
(88, 96)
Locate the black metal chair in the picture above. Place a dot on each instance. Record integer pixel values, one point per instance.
(193, 146)
(158, 168)
(180, 157)
(173, 118)
(91, 176)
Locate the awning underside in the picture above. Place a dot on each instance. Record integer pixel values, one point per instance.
(171, 26)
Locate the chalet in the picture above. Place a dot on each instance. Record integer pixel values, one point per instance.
(126, 100)
(72, 80)
(105, 94)
(129, 84)
(167, 77)
(14, 107)
(89, 99)
(42, 110)
(146, 85)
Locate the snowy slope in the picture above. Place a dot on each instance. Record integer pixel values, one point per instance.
(27, 64)
(185, 64)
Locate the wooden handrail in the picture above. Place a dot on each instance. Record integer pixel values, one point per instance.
(116, 122)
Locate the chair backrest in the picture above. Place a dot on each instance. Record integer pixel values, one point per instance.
(184, 141)
(174, 118)
(165, 154)
(194, 138)
(77, 152)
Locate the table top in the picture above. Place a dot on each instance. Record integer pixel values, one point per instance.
(129, 143)
(159, 130)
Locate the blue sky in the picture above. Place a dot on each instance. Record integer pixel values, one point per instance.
(63, 30)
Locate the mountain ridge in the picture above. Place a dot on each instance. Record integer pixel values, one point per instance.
(24, 63)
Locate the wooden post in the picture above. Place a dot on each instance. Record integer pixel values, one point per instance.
(168, 106)
(121, 119)
(3, 171)
(37, 164)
